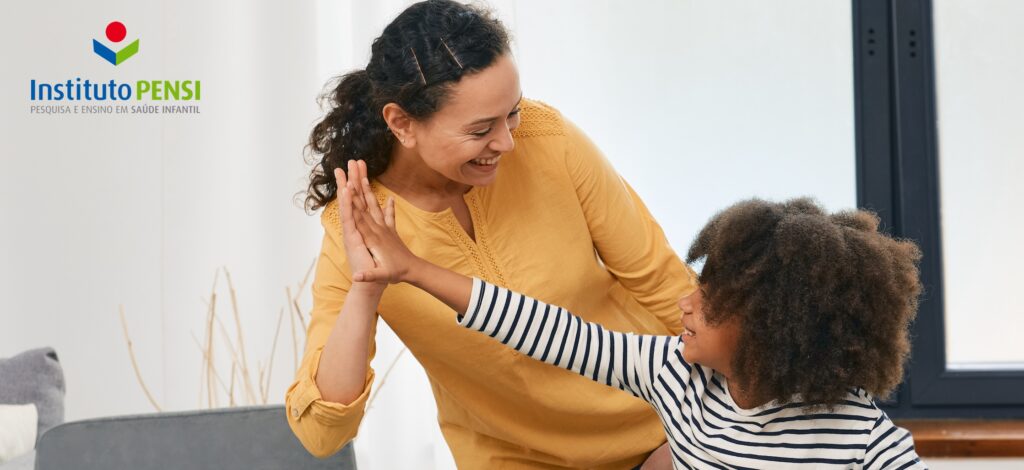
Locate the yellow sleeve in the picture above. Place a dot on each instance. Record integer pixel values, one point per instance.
(321, 426)
(629, 241)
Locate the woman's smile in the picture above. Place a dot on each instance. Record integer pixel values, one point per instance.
(484, 165)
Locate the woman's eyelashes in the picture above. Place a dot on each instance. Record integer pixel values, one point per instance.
(511, 116)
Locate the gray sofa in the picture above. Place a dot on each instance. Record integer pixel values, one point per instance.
(250, 438)
(228, 438)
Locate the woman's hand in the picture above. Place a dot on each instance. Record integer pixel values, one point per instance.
(660, 459)
(392, 260)
(359, 257)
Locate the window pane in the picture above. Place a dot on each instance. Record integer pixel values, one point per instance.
(980, 105)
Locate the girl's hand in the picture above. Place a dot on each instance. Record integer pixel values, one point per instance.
(359, 258)
(392, 260)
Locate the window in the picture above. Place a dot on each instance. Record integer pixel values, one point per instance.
(912, 170)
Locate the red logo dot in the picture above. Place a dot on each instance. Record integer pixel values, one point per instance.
(116, 31)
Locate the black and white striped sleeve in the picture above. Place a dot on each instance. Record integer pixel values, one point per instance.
(891, 447)
(551, 334)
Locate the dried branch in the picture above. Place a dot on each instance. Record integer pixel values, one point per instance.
(293, 306)
(215, 375)
(135, 364)
(295, 344)
(211, 384)
(246, 379)
(208, 352)
(273, 350)
(384, 378)
(231, 389)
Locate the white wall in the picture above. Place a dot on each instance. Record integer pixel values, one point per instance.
(700, 104)
(138, 210)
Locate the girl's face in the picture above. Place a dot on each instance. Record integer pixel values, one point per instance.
(465, 139)
(709, 346)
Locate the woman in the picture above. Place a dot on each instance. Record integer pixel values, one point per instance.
(495, 186)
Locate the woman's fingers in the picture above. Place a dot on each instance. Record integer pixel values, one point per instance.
(356, 180)
(339, 178)
(363, 173)
(348, 228)
(389, 214)
(353, 185)
(351, 170)
(362, 194)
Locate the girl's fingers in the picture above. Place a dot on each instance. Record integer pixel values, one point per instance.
(371, 275)
(359, 222)
(358, 201)
(371, 203)
(366, 226)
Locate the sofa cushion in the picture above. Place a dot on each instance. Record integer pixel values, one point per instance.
(18, 425)
(34, 376)
(243, 438)
(25, 462)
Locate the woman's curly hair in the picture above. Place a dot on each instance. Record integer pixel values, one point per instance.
(414, 63)
(824, 301)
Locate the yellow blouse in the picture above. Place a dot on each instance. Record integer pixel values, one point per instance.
(558, 224)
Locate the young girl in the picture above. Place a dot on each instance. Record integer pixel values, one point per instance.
(801, 318)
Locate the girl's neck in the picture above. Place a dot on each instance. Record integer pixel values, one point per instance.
(742, 394)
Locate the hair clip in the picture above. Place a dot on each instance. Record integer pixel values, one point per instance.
(422, 77)
(456, 59)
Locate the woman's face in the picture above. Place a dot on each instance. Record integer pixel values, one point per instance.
(465, 139)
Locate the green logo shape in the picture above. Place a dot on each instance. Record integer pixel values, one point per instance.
(118, 57)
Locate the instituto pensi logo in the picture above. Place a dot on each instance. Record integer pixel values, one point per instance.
(75, 94)
(116, 33)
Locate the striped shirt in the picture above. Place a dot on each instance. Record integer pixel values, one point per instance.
(705, 428)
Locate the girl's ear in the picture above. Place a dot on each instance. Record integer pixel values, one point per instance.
(400, 124)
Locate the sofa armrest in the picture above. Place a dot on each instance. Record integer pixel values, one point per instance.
(249, 438)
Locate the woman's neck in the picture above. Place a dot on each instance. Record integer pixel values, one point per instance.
(411, 178)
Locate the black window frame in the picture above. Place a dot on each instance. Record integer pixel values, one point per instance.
(898, 177)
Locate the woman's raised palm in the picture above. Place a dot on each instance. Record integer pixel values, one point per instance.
(359, 257)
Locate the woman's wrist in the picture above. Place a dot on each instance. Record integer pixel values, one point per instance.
(368, 290)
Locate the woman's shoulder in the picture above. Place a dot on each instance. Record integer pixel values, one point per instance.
(539, 119)
(329, 216)
(331, 219)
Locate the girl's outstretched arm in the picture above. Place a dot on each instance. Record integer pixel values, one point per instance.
(544, 332)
